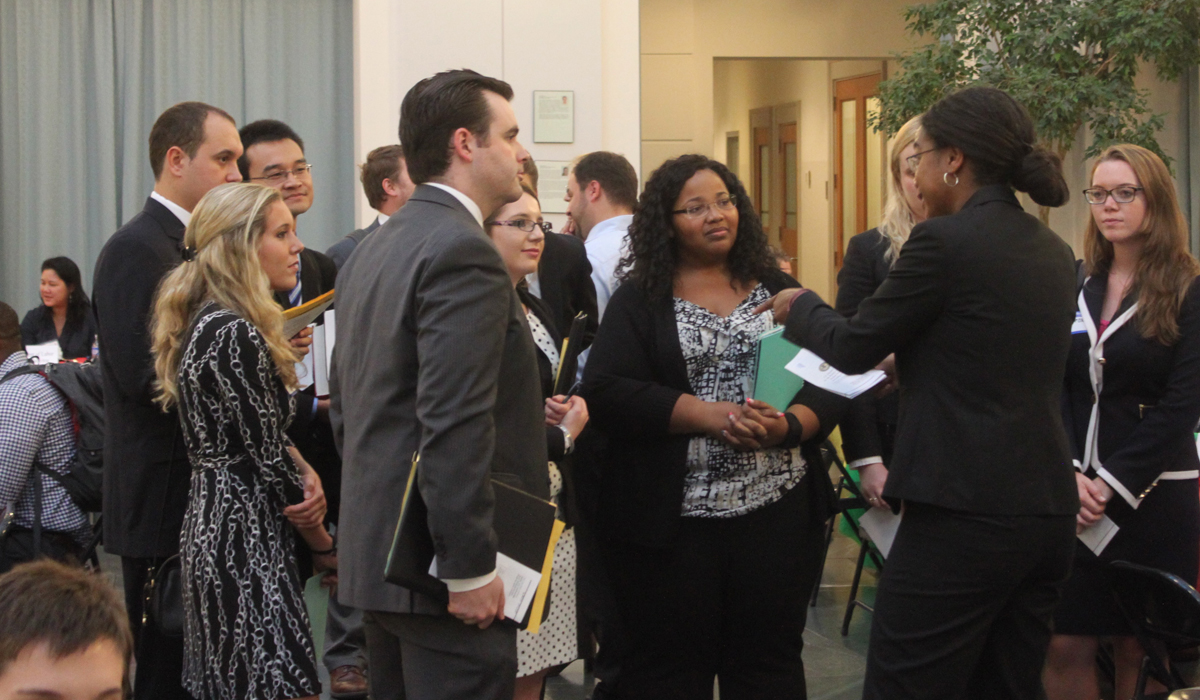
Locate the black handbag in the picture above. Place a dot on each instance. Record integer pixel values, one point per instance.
(163, 592)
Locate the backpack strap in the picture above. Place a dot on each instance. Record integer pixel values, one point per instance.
(20, 372)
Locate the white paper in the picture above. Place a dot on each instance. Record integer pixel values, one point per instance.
(881, 525)
(306, 371)
(320, 367)
(45, 353)
(520, 584)
(812, 368)
(1097, 536)
(330, 338)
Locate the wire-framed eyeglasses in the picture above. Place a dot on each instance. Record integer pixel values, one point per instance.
(280, 176)
(698, 210)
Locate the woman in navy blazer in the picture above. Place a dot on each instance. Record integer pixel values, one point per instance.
(977, 310)
(1135, 345)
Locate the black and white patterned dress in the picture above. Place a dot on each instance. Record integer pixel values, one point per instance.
(721, 354)
(246, 628)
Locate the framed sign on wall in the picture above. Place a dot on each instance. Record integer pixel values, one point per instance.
(553, 116)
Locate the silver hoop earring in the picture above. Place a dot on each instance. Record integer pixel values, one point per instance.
(951, 184)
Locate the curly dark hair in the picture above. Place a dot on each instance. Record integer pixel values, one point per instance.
(653, 250)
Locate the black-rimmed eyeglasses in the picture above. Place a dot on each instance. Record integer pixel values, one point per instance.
(1121, 195)
(526, 225)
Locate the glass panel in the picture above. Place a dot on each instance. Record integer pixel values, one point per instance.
(764, 164)
(875, 169)
(790, 185)
(732, 153)
(850, 177)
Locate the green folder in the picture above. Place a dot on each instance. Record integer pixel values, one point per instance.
(773, 383)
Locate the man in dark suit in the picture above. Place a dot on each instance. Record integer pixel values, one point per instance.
(435, 357)
(386, 183)
(193, 148)
(274, 156)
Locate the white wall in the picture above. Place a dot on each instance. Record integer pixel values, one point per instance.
(588, 47)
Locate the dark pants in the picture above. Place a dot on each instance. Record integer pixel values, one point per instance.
(437, 657)
(16, 547)
(159, 658)
(727, 600)
(964, 605)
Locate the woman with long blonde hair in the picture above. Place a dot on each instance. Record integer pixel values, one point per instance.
(1132, 405)
(221, 357)
(869, 430)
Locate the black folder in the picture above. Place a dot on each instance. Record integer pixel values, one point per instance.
(526, 531)
(568, 361)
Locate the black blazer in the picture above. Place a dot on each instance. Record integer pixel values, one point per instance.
(318, 275)
(978, 310)
(565, 279)
(77, 335)
(146, 471)
(634, 376)
(1150, 398)
(870, 422)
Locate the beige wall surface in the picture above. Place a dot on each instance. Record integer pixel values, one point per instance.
(590, 48)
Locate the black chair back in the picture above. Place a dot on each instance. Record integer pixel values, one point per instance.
(1164, 612)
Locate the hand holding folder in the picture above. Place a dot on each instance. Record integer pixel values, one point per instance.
(526, 531)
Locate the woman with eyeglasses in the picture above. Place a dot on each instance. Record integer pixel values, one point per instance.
(519, 236)
(869, 429)
(977, 310)
(712, 504)
(1136, 346)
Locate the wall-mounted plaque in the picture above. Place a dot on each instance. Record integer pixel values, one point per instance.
(553, 116)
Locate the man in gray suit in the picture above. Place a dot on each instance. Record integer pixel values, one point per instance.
(435, 356)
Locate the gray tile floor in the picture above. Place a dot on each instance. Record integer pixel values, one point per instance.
(834, 664)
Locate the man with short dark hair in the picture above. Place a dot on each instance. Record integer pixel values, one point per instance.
(386, 183)
(193, 148)
(435, 357)
(274, 156)
(602, 191)
(65, 635)
(36, 429)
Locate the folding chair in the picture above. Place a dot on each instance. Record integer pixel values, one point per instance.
(1164, 612)
(866, 547)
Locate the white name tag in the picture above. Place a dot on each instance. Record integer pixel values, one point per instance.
(1078, 326)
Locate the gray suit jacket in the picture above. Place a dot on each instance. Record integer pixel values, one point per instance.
(434, 355)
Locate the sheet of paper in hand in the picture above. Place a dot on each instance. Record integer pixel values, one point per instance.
(813, 369)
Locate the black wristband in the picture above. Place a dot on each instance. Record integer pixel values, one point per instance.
(795, 432)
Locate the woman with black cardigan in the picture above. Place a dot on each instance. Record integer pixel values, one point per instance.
(710, 511)
(518, 234)
(869, 428)
(65, 314)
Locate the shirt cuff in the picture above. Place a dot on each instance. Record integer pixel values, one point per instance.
(462, 585)
(1078, 465)
(858, 463)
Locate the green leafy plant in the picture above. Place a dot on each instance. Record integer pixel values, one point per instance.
(1070, 62)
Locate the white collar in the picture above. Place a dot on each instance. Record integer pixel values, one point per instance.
(180, 213)
(615, 225)
(383, 218)
(466, 201)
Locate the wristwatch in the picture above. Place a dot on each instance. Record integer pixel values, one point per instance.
(568, 441)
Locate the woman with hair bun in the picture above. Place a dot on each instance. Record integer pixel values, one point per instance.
(65, 314)
(977, 310)
(221, 357)
(1135, 345)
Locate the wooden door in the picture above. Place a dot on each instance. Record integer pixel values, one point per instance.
(762, 174)
(789, 178)
(858, 160)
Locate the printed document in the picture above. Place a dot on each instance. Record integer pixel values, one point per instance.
(811, 368)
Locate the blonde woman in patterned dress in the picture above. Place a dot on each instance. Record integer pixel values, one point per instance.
(220, 355)
(519, 237)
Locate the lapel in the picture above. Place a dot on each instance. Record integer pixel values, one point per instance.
(1091, 304)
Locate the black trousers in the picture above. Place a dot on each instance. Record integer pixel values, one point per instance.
(965, 603)
(16, 547)
(159, 658)
(727, 600)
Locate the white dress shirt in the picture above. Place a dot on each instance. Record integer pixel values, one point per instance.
(606, 243)
(183, 214)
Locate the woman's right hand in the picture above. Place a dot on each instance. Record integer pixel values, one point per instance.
(1092, 502)
(572, 412)
(872, 479)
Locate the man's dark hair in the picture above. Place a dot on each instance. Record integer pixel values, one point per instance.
(10, 331)
(182, 126)
(383, 163)
(997, 136)
(531, 172)
(616, 176)
(438, 106)
(64, 607)
(263, 131)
